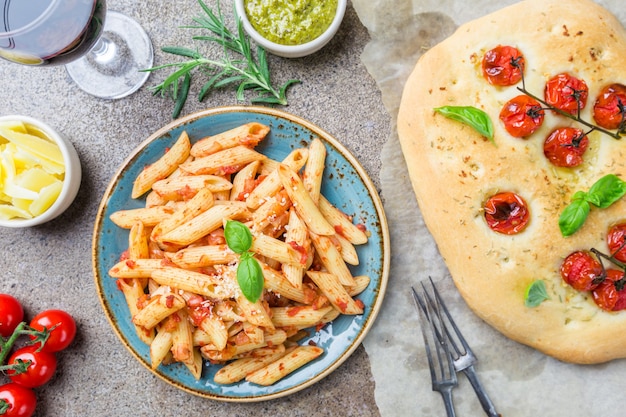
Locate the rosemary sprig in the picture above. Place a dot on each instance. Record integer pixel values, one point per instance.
(238, 65)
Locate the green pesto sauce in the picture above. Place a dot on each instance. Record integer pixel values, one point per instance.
(290, 22)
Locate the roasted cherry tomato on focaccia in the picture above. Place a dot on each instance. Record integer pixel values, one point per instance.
(616, 240)
(17, 401)
(62, 329)
(503, 65)
(566, 93)
(521, 116)
(11, 314)
(610, 295)
(565, 146)
(506, 213)
(41, 369)
(609, 110)
(582, 271)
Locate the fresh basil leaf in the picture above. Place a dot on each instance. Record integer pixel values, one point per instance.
(250, 277)
(471, 116)
(536, 293)
(574, 216)
(238, 236)
(606, 191)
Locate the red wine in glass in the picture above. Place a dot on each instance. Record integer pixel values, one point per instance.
(103, 51)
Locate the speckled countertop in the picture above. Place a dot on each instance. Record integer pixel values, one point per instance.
(50, 266)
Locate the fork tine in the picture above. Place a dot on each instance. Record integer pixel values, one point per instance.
(458, 333)
(442, 372)
(438, 305)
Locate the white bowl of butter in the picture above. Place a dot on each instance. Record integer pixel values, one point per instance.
(291, 29)
(40, 172)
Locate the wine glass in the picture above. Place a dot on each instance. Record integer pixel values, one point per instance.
(103, 51)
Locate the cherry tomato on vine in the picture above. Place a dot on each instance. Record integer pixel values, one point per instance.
(17, 401)
(565, 146)
(616, 240)
(567, 93)
(609, 111)
(62, 325)
(611, 294)
(506, 213)
(11, 314)
(41, 369)
(521, 116)
(503, 65)
(582, 270)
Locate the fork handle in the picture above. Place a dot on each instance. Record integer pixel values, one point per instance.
(484, 399)
(447, 400)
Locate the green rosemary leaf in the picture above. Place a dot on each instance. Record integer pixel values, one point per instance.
(179, 50)
(182, 96)
(209, 85)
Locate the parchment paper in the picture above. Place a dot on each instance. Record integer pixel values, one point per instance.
(520, 380)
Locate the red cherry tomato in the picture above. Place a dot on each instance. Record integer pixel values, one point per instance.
(582, 270)
(506, 213)
(522, 115)
(62, 325)
(503, 65)
(611, 294)
(566, 93)
(17, 401)
(11, 314)
(609, 111)
(565, 146)
(615, 239)
(41, 369)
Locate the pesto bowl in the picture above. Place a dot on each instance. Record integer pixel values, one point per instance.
(292, 51)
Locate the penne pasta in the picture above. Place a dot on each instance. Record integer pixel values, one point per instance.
(195, 282)
(180, 278)
(148, 216)
(159, 307)
(237, 370)
(299, 317)
(303, 203)
(293, 359)
(331, 258)
(202, 224)
(202, 256)
(335, 292)
(249, 134)
(138, 268)
(244, 180)
(223, 161)
(185, 187)
(314, 169)
(163, 167)
(201, 202)
(272, 183)
(342, 223)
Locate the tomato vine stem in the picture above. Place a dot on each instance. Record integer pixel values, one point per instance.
(614, 135)
(22, 329)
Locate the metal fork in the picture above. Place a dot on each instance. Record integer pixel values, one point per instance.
(464, 358)
(442, 372)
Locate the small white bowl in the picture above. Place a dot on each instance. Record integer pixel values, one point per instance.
(71, 182)
(292, 51)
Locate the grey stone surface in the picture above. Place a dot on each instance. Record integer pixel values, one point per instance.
(50, 266)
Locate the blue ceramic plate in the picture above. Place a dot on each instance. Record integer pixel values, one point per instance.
(345, 184)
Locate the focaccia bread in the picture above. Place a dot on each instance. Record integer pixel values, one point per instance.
(454, 170)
